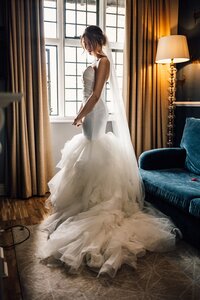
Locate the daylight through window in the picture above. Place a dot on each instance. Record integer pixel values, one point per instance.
(64, 23)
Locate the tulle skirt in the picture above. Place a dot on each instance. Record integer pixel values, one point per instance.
(96, 217)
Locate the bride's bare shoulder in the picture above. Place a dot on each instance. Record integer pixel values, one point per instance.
(104, 64)
(104, 61)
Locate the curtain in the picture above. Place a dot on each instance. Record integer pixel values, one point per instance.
(28, 130)
(145, 83)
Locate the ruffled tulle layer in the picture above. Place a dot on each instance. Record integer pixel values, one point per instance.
(97, 220)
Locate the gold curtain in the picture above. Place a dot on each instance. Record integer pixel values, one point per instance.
(145, 83)
(28, 129)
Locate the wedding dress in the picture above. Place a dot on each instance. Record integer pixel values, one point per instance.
(98, 218)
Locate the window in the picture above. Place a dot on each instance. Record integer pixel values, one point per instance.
(65, 21)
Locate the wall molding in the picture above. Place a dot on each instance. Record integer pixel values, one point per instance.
(187, 103)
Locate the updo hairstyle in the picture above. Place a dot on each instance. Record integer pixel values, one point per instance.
(95, 36)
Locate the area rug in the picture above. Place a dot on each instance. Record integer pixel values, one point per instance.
(167, 276)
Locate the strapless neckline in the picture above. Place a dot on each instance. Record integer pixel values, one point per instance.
(88, 68)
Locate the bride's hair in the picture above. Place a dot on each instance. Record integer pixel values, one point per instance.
(95, 36)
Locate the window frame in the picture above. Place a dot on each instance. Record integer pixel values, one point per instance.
(61, 41)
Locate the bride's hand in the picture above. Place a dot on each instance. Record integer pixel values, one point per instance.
(77, 122)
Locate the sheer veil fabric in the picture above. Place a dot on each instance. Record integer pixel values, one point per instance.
(99, 218)
(121, 131)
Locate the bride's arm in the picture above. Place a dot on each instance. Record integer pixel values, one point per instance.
(100, 78)
(81, 121)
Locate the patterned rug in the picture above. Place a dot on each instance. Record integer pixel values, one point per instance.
(172, 276)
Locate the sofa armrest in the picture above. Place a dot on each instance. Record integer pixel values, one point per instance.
(162, 158)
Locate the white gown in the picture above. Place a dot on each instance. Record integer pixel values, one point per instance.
(97, 220)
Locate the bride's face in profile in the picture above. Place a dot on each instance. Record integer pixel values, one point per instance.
(89, 47)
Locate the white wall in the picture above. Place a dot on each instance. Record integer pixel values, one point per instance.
(61, 133)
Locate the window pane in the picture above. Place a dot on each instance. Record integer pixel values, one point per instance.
(52, 84)
(70, 30)
(81, 55)
(121, 8)
(119, 70)
(80, 95)
(111, 20)
(92, 5)
(70, 5)
(70, 54)
(121, 21)
(50, 30)
(70, 82)
(50, 19)
(91, 19)
(70, 108)
(80, 68)
(70, 69)
(120, 35)
(81, 4)
(111, 7)
(79, 82)
(50, 14)
(119, 57)
(85, 12)
(80, 30)
(118, 61)
(111, 33)
(50, 3)
(74, 84)
(70, 94)
(115, 18)
(79, 105)
(70, 16)
(81, 17)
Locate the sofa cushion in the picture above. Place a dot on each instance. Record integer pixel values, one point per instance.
(194, 208)
(162, 158)
(176, 186)
(191, 143)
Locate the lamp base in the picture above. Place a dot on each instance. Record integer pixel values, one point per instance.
(171, 99)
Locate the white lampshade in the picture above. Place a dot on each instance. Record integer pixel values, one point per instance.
(172, 47)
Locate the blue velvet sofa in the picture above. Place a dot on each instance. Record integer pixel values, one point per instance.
(172, 181)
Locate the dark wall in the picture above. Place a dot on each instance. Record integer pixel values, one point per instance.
(189, 25)
(188, 74)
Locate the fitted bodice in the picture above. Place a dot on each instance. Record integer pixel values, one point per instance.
(88, 82)
(94, 124)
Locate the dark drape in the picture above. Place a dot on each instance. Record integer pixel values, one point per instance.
(28, 130)
(145, 83)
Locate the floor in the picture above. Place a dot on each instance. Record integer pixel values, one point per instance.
(12, 212)
(33, 211)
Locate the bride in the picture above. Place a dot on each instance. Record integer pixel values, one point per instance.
(99, 218)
